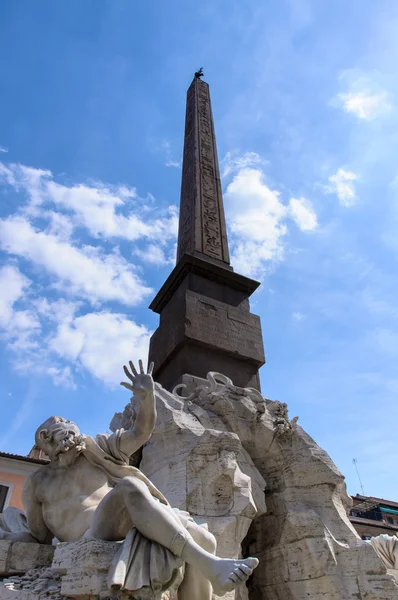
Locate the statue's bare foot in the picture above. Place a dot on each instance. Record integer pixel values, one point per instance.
(227, 573)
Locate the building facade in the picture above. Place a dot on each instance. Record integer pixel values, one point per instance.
(372, 516)
(14, 469)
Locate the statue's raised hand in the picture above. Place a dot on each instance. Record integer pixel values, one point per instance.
(141, 383)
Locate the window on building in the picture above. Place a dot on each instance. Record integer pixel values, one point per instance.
(3, 496)
(390, 520)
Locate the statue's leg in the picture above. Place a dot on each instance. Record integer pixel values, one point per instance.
(195, 586)
(131, 504)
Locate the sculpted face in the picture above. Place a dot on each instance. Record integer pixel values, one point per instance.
(58, 435)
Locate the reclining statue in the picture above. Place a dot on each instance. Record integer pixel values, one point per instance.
(386, 547)
(89, 490)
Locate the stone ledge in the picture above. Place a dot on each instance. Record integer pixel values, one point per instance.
(206, 268)
(76, 570)
(84, 567)
(19, 557)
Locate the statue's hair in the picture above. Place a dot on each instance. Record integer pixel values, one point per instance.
(46, 426)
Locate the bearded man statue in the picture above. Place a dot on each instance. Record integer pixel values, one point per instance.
(89, 490)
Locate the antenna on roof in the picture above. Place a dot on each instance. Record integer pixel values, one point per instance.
(354, 460)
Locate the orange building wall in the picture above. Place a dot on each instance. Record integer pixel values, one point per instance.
(17, 482)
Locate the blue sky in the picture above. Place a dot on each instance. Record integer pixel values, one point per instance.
(305, 100)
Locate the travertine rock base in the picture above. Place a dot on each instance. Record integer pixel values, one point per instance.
(84, 566)
(305, 542)
(78, 570)
(19, 557)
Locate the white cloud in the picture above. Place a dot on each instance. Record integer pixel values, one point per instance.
(342, 184)
(47, 338)
(232, 162)
(12, 285)
(365, 105)
(41, 363)
(2, 149)
(19, 328)
(60, 225)
(364, 95)
(7, 176)
(96, 207)
(258, 219)
(303, 214)
(102, 343)
(60, 375)
(153, 255)
(255, 217)
(87, 271)
(57, 337)
(59, 310)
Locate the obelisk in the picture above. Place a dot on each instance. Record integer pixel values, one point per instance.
(205, 319)
(202, 227)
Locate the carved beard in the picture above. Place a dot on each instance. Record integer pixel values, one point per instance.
(69, 441)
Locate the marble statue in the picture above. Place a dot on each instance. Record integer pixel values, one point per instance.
(386, 547)
(89, 490)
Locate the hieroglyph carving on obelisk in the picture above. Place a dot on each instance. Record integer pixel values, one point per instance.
(202, 221)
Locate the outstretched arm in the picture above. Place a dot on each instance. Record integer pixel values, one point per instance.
(143, 388)
(34, 514)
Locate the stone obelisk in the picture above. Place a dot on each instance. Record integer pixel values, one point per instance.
(205, 319)
(202, 229)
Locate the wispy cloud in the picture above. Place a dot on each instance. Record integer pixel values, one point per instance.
(2, 149)
(87, 271)
(365, 105)
(154, 255)
(363, 96)
(297, 316)
(234, 162)
(13, 285)
(342, 184)
(170, 161)
(303, 214)
(105, 211)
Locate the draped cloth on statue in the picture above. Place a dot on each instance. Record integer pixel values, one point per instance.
(386, 547)
(104, 452)
(139, 562)
(13, 520)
